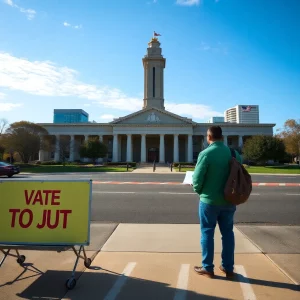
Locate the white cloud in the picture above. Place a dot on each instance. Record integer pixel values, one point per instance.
(194, 111)
(66, 24)
(107, 117)
(30, 13)
(188, 2)
(8, 2)
(6, 106)
(2, 95)
(44, 78)
(219, 47)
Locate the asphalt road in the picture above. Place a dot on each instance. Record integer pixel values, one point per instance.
(178, 204)
(140, 177)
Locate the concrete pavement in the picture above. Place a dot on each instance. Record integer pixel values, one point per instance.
(147, 261)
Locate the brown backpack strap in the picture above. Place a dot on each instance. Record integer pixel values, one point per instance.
(232, 152)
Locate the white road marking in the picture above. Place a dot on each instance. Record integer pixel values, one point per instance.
(172, 193)
(253, 194)
(108, 192)
(281, 184)
(245, 284)
(261, 184)
(182, 282)
(293, 194)
(115, 290)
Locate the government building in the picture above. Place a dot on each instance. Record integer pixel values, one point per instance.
(152, 133)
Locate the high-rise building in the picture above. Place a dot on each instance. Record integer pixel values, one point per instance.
(216, 120)
(247, 114)
(70, 116)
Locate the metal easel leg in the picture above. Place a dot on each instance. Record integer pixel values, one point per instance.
(6, 253)
(76, 262)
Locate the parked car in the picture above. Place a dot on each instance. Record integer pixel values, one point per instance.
(8, 169)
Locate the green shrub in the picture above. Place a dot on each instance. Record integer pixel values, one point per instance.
(183, 164)
(121, 164)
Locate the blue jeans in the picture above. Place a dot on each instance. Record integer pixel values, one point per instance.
(209, 216)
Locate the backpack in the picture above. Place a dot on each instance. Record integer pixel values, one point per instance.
(239, 183)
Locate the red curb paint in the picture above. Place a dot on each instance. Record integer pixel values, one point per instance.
(270, 184)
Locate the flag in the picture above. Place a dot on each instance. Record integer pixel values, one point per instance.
(156, 34)
(246, 108)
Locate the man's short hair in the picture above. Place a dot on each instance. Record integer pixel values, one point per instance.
(215, 132)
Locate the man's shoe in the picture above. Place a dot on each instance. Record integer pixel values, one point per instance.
(228, 274)
(201, 271)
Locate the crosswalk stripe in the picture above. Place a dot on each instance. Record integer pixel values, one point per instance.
(245, 284)
(182, 282)
(115, 290)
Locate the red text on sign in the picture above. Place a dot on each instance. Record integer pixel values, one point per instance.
(42, 197)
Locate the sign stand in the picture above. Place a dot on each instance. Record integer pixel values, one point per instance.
(71, 282)
(50, 211)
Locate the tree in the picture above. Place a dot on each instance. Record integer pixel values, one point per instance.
(262, 148)
(93, 149)
(3, 125)
(25, 138)
(291, 137)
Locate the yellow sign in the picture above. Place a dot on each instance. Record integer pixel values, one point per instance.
(45, 212)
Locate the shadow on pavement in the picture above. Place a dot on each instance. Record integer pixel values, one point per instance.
(91, 285)
(261, 282)
(51, 285)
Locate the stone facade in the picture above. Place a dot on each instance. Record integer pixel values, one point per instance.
(151, 133)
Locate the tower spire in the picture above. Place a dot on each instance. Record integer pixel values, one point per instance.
(154, 64)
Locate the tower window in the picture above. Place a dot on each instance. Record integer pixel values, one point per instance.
(153, 82)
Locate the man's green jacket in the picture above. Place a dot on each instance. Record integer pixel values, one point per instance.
(211, 173)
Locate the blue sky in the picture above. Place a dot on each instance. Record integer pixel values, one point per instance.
(88, 54)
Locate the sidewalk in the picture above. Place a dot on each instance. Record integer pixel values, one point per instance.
(151, 261)
(142, 261)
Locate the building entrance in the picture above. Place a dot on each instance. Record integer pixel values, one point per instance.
(153, 154)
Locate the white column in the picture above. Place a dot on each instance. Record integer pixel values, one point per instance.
(119, 148)
(225, 140)
(57, 152)
(190, 148)
(115, 148)
(240, 141)
(86, 138)
(101, 141)
(71, 158)
(162, 149)
(143, 148)
(205, 144)
(129, 148)
(41, 151)
(176, 153)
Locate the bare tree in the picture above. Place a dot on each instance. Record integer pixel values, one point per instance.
(3, 125)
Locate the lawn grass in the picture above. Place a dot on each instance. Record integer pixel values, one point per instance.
(285, 169)
(71, 169)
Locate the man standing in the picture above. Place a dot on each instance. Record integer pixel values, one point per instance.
(209, 180)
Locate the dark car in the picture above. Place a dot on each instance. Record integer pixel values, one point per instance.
(8, 169)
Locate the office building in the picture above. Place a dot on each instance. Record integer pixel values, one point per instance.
(242, 114)
(70, 116)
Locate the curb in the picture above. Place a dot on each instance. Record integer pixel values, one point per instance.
(271, 260)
